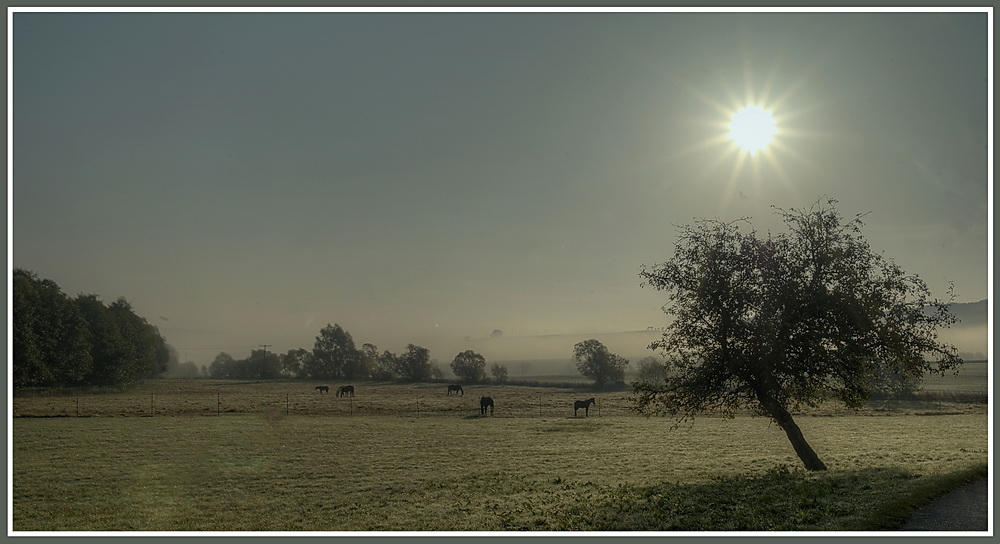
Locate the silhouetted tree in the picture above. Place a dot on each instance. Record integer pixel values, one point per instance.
(389, 367)
(499, 373)
(773, 323)
(334, 355)
(469, 366)
(142, 342)
(50, 335)
(293, 363)
(222, 367)
(594, 361)
(378, 367)
(414, 365)
(80, 341)
(261, 364)
(436, 372)
(651, 370)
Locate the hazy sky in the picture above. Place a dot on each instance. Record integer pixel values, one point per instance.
(245, 179)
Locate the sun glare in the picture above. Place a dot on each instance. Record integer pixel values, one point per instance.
(752, 128)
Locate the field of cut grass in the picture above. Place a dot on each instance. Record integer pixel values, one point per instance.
(299, 461)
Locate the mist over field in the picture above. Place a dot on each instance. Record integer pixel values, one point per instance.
(971, 334)
(553, 354)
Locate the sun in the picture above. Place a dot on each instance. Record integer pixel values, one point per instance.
(752, 128)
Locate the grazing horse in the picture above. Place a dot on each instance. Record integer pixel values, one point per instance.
(585, 404)
(484, 403)
(323, 389)
(457, 389)
(343, 390)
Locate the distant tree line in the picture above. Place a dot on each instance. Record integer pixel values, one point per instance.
(334, 356)
(65, 341)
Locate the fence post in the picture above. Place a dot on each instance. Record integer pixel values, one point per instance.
(77, 406)
(218, 406)
(150, 405)
(286, 404)
(539, 405)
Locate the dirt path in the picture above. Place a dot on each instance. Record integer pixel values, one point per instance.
(964, 509)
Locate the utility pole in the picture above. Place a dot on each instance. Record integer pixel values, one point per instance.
(263, 362)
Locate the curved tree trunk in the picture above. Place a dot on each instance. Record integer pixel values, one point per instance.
(802, 448)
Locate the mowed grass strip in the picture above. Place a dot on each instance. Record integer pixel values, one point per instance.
(459, 472)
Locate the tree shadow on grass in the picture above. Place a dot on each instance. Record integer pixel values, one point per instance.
(782, 499)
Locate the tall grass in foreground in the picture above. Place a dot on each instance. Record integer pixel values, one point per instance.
(270, 472)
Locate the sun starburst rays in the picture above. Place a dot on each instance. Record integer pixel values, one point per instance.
(741, 161)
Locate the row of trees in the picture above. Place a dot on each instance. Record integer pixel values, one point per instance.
(65, 341)
(335, 357)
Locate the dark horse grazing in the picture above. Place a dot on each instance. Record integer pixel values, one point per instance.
(585, 404)
(323, 388)
(457, 389)
(343, 390)
(484, 403)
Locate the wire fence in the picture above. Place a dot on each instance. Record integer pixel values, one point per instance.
(525, 404)
(517, 404)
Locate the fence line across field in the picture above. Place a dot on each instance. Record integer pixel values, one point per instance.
(217, 404)
(417, 405)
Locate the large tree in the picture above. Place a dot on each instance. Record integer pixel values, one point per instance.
(107, 347)
(293, 363)
(469, 366)
(595, 361)
(334, 355)
(777, 322)
(51, 338)
(415, 364)
(223, 366)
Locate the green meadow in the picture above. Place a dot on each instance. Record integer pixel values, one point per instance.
(196, 455)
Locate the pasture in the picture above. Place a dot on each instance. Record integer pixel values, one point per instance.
(218, 456)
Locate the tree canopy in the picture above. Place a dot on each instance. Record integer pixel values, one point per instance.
(334, 355)
(415, 364)
(63, 341)
(777, 322)
(469, 366)
(595, 361)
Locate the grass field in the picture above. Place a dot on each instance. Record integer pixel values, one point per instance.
(228, 456)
